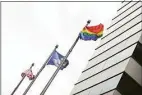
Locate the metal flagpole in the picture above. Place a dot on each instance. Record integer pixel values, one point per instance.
(21, 81)
(43, 66)
(57, 70)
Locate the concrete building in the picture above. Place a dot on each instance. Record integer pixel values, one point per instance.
(116, 66)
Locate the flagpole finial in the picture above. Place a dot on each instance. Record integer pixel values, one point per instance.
(56, 46)
(33, 64)
(88, 22)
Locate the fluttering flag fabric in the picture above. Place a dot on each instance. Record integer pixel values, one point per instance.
(56, 59)
(29, 74)
(91, 32)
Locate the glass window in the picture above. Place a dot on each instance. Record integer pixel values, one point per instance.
(111, 84)
(114, 92)
(105, 86)
(102, 76)
(120, 56)
(110, 93)
(120, 30)
(86, 92)
(109, 53)
(92, 71)
(130, 10)
(102, 87)
(119, 39)
(134, 70)
(124, 6)
(140, 40)
(137, 55)
(133, 39)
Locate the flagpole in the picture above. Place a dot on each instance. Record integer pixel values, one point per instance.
(21, 81)
(57, 70)
(43, 66)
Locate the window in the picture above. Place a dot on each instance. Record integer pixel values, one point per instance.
(102, 87)
(137, 55)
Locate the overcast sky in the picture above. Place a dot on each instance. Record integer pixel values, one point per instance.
(30, 32)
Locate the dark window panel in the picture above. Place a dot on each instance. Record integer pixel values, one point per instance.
(137, 55)
(128, 86)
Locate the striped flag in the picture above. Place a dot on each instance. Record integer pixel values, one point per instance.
(29, 74)
(91, 32)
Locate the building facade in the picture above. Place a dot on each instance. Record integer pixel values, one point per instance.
(116, 66)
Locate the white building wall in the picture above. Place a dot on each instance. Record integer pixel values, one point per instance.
(113, 55)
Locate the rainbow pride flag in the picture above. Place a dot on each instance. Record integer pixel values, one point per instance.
(91, 32)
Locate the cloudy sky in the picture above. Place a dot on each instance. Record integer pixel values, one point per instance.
(30, 32)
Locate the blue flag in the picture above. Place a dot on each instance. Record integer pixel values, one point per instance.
(56, 59)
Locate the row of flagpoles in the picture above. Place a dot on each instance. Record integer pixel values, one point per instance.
(58, 60)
